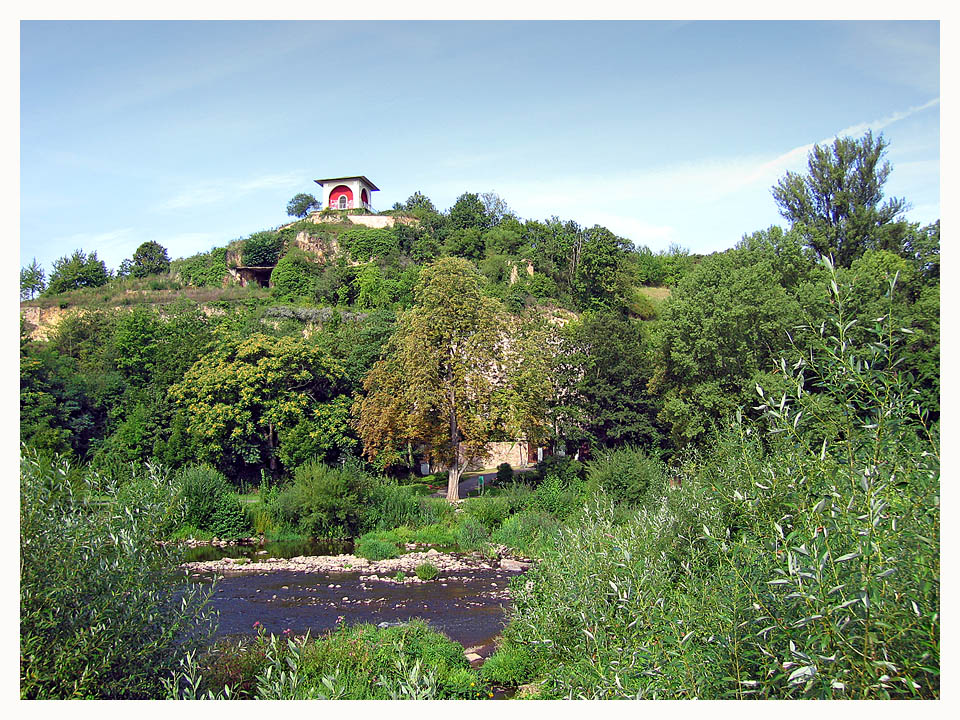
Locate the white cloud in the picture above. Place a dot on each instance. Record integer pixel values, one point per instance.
(212, 192)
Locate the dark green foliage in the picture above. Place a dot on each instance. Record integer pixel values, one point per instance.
(468, 212)
(426, 571)
(75, 271)
(837, 205)
(261, 249)
(149, 259)
(301, 204)
(489, 511)
(295, 276)
(203, 269)
(208, 498)
(558, 494)
(364, 244)
(323, 501)
(101, 615)
(375, 548)
(724, 324)
(32, 280)
(504, 473)
(603, 369)
(784, 568)
(625, 474)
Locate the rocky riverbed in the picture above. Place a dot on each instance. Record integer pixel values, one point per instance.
(375, 570)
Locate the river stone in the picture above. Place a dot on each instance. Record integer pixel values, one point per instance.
(515, 565)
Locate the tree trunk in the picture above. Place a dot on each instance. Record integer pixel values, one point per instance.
(453, 480)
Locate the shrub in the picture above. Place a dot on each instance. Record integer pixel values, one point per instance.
(374, 548)
(470, 533)
(323, 501)
(100, 614)
(489, 511)
(203, 489)
(511, 665)
(261, 249)
(780, 569)
(624, 475)
(530, 532)
(558, 495)
(426, 571)
(295, 276)
(504, 473)
(229, 520)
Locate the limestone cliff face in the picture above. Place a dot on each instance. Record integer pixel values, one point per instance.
(42, 321)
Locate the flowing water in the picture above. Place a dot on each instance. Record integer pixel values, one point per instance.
(469, 606)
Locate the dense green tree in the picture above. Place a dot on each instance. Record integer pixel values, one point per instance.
(417, 201)
(261, 249)
(295, 275)
(724, 325)
(75, 271)
(301, 204)
(437, 382)
(32, 280)
(468, 212)
(244, 393)
(466, 243)
(838, 204)
(150, 259)
(922, 247)
(602, 368)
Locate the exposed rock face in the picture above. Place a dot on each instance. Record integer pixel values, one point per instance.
(43, 321)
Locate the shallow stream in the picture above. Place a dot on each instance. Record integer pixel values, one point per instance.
(469, 606)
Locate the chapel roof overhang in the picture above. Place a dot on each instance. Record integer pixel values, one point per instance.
(366, 181)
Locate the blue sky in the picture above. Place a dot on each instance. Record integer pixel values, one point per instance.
(196, 133)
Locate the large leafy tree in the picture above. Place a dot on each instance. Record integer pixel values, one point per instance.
(75, 271)
(838, 204)
(246, 393)
(150, 258)
(602, 368)
(437, 385)
(32, 280)
(722, 328)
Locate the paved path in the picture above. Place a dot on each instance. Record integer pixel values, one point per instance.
(470, 481)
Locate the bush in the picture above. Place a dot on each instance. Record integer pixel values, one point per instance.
(323, 501)
(371, 547)
(203, 489)
(261, 249)
(780, 569)
(511, 665)
(530, 532)
(295, 276)
(470, 533)
(361, 662)
(100, 614)
(489, 511)
(558, 495)
(624, 475)
(229, 521)
(426, 571)
(504, 473)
